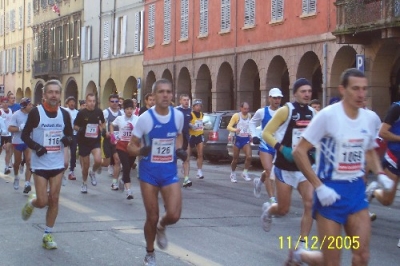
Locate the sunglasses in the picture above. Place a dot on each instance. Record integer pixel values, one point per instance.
(115, 101)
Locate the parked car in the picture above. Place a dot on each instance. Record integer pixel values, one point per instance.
(254, 147)
(216, 135)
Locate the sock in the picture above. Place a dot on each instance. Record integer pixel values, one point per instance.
(186, 178)
(272, 199)
(245, 171)
(297, 255)
(27, 183)
(159, 226)
(16, 176)
(233, 172)
(149, 251)
(115, 181)
(48, 230)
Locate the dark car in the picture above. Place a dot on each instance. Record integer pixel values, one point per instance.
(216, 135)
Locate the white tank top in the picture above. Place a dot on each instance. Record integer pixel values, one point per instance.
(48, 133)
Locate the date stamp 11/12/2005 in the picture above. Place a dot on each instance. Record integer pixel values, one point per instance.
(318, 243)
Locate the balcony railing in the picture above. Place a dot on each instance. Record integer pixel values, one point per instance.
(48, 67)
(363, 16)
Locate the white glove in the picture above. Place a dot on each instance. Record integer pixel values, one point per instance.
(326, 195)
(21, 127)
(385, 182)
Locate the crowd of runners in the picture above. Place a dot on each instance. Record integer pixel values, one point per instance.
(325, 154)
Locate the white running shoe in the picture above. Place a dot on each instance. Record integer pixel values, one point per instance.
(257, 187)
(16, 183)
(93, 178)
(150, 259)
(21, 169)
(162, 241)
(233, 178)
(246, 177)
(84, 189)
(200, 174)
(266, 218)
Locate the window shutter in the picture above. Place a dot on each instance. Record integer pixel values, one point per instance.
(249, 13)
(312, 6)
(89, 43)
(14, 60)
(141, 34)
(184, 19)
(123, 37)
(29, 11)
(20, 17)
(203, 17)
(83, 43)
(136, 33)
(279, 11)
(167, 21)
(106, 39)
(152, 18)
(116, 31)
(20, 58)
(225, 15)
(28, 56)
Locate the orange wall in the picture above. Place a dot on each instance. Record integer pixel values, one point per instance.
(292, 26)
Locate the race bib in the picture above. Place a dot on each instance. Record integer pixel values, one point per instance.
(244, 131)
(92, 131)
(198, 125)
(162, 150)
(350, 154)
(296, 135)
(125, 134)
(52, 140)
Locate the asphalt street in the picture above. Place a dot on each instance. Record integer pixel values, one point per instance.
(220, 225)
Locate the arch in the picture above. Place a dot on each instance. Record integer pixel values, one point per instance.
(203, 88)
(130, 88)
(167, 75)
(184, 84)
(28, 93)
(345, 58)
(310, 68)
(278, 77)
(225, 99)
(38, 92)
(109, 89)
(19, 95)
(249, 88)
(71, 89)
(150, 79)
(91, 88)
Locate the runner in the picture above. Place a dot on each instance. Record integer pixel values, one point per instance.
(71, 104)
(187, 116)
(126, 124)
(12, 104)
(17, 124)
(136, 109)
(6, 114)
(283, 132)
(111, 158)
(267, 153)
(344, 138)
(239, 124)
(47, 131)
(149, 102)
(82, 104)
(196, 135)
(89, 124)
(157, 137)
(316, 105)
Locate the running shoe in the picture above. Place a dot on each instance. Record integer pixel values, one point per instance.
(150, 259)
(93, 179)
(64, 180)
(84, 188)
(200, 174)
(71, 176)
(370, 190)
(27, 188)
(114, 186)
(257, 187)
(16, 183)
(272, 200)
(372, 216)
(398, 244)
(246, 177)
(7, 171)
(129, 195)
(266, 218)
(48, 242)
(27, 210)
(233, 178)
(187, 183)
(162, 241)
(21, 169)
(290, 260)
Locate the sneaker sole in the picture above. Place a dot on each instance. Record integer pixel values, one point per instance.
(373, 217)
(48, 248)
(187, 185)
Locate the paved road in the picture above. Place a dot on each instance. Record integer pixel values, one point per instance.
(220, 225)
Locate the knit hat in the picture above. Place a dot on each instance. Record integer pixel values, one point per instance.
(128, 103)
(300, 82)
(197, 101)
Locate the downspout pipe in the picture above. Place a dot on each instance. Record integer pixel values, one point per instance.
(324, 73)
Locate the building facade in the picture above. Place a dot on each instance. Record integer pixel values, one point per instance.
(112, 49)
(229, 51)
(56, 45)
(16, 20)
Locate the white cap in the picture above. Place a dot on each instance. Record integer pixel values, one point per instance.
(197, 101)
(275, 92)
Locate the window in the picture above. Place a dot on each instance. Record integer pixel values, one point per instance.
(29, 11)
(36, 47)
(167, 21)
(249, 12)
(77, 37)
(43, 3)
(4, 62)
(1, 25)
(106, 39)
(20, 21)
(277, 10)
(28, 56)
(20, 55)
(184, 19)
(51, 2)
(7, 19)
(120, 35)
(12, 20)
(152, 22)
(36, 5)
(86, 45)
(44, 50)
(71, 40)
(309, 7)
(13, 60)
(203, 17)
(225, 15)
(60, 35)
(138, 42)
